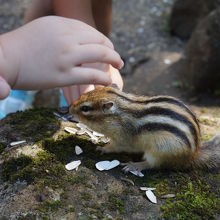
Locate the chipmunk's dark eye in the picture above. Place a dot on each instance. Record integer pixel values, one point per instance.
(85, 108)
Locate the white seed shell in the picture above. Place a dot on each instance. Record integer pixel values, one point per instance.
(73, 165)
(80, 125)
(113, 164)
(136, 173)
(78, 150)
(81, 132)
(150, 195)
(147, 188)
(93, 138)
(102, 165)
(168, 196)
(70, 130)
(17, 143)
(97, 134)
(107, 165)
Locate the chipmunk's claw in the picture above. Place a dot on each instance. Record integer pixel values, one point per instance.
(130, 166)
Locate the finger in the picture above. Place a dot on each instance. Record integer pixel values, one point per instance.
(90, 35)
(4, 88)
(86, 88)
(85, 75)
(101, 66)
(116, 77)
(94, 53)
(95, 37)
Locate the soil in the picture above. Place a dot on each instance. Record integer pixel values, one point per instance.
(153, 65)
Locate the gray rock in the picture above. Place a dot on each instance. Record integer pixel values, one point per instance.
(203, 53)
(186, 14)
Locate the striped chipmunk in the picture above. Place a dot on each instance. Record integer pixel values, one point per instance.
(163, 128)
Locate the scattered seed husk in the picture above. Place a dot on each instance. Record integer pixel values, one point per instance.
(127, 180)
(150, 195)
(17, 143)
(136, 173)
(102, 165)
(167, 196)
(113, 164)
(107, 165)
(78, 150)
(146, 188)
(70, 130)
(73, 165)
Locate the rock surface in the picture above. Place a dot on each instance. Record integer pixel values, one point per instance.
(35, 185)
(186, 14)
(203, 52)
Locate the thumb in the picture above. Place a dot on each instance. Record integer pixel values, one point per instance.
(4, 88)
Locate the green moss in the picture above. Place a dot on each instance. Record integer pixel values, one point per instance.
(71, 208)
(194, 202)
(116, 203)
(50, 206)
(80, 179)
(1, 148)
(35, 123)
(86, 196)
(44, 168)
(13, 166)
(64, 147)
(89, 164)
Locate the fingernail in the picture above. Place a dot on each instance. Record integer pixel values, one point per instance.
(122, 64)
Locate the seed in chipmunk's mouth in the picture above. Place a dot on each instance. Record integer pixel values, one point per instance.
(70, 130)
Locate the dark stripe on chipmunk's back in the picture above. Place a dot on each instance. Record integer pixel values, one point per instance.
(158, 99)
(153, 127)
(159, 111)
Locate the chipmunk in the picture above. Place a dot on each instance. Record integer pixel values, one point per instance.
(163, 128)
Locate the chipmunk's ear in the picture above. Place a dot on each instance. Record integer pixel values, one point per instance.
(115, 86)
(108, 107)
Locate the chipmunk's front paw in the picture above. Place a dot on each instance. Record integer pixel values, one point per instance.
(130, 166)
(137, 166)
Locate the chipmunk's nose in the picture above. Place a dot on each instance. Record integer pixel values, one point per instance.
(74, 114)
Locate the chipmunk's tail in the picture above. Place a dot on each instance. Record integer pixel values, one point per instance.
(209, 154)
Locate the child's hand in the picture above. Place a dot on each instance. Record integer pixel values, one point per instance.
(4, 88)
(51, 51)
(72, 93)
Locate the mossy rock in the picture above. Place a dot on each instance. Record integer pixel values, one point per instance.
(89, 193)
